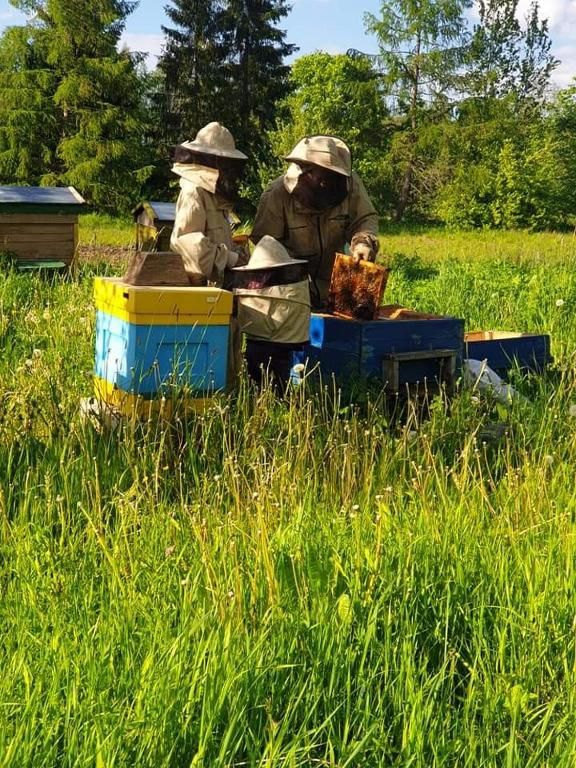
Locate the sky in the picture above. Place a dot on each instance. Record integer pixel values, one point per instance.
(333, 26)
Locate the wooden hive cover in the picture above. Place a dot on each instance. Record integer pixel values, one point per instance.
(356, 288)
(156, 268)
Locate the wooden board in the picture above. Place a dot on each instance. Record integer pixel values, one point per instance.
(356, 288)
(36, 218)
(156, 268)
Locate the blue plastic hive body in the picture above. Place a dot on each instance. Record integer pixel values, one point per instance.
(530, 352)
(356, 348)
(149, 359)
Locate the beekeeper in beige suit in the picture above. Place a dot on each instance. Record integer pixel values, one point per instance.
(210, 169)
(318, 206)
(273, 311)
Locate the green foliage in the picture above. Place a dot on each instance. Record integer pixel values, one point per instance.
(422, 45)
(79, 119)
(506, 59)
(28, 117)
(507, 172)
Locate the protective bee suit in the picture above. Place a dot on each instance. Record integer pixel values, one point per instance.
(316, 208)
(209, 168)
(273, 310)
(202, 233)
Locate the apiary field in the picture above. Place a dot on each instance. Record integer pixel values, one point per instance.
(292, 584)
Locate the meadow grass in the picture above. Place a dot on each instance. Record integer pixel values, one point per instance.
(97, 229)
(292, 584)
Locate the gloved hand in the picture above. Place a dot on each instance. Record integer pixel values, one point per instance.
(243, 257)
(242, 248)
(364, 245)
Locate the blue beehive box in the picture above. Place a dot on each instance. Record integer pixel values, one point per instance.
(504, 350)
(152, 339)
(397, 352)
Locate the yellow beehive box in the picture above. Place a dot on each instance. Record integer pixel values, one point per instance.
(162, 305)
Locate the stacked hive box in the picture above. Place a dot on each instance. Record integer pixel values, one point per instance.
(39, 225)
(503, 350)
(398, 353)
(157, 345)
(154, 224)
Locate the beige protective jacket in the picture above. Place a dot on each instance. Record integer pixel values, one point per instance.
(278, 313)
(201, 233)
(312, 235)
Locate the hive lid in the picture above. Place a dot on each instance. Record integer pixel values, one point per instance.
(356, 288)
(157, 210)
(155, 304)
(39, 198)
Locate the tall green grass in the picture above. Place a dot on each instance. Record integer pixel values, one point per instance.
(291, 584)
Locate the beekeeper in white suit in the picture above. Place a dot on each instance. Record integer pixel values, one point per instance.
(210, 169)
(273, 311)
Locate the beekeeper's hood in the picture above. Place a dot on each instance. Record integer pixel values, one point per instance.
(199, 160)
(327, 152)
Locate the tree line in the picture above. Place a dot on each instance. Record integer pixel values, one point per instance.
(448, 123)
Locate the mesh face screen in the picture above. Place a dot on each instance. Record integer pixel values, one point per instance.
(265, 278)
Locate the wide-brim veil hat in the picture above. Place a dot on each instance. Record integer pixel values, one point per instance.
(328, 152)
(268, 254)
(214, 139)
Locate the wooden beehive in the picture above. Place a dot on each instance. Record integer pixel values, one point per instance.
(39, 225)
(154, 224)
(356, 288)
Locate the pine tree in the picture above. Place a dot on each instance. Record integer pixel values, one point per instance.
(256, 75)
(223, 60)
(191, 68)
(91, 100)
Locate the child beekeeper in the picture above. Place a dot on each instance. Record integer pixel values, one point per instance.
(273, 311)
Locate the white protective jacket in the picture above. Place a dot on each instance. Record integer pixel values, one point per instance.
(277, 313)
(202, 233)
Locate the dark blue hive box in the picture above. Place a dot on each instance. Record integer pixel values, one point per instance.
(397, 352)
(503, 350)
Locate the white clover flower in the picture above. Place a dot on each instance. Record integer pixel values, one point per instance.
(559, 302)
(549, 459)
(572, 410)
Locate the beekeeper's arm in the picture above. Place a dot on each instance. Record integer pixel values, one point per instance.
(202, 256)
